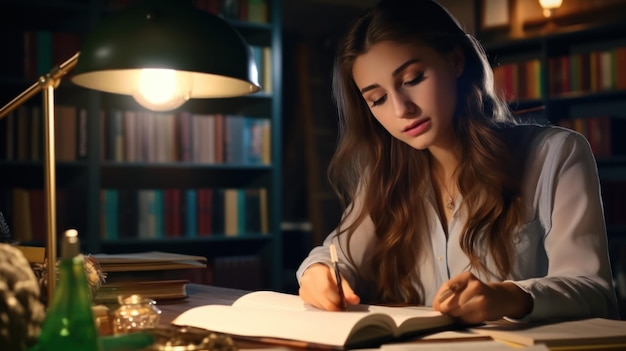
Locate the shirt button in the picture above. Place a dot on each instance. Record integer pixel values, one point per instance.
(439, 258)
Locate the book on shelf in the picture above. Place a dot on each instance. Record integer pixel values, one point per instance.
(158, 290)
(23, 131)
(148, 261)
(172, 212)
(519, 80)
(602, 132)
(584, 334)
(590, 71)
(66, 132)
(26, 215)
(282, 318)
(145, 136)
(34, 254)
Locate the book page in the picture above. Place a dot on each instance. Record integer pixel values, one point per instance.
(273, 300)
(412, 317)
(580, 332)
(276, 300)
(456, 345)
(455, 335)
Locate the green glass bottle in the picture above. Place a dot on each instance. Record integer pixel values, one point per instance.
(69, 324)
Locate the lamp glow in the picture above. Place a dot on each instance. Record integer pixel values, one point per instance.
(549, 6)
(195, 54)
(152, 33)
(162, 89)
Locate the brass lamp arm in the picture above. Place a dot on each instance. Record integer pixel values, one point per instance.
(47, 83)
(52, 78)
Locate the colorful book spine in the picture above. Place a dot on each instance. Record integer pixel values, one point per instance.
(110, 221)
(191, 213)
(173, 212)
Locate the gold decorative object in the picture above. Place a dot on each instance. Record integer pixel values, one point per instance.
(190, 339)
(95, 276)
(135, 313)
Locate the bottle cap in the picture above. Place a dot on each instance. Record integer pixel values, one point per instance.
(71, 245)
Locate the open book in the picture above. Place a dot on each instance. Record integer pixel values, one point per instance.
(277, 317)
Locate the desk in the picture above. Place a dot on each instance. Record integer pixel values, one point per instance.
(204, 295)
(200, 295)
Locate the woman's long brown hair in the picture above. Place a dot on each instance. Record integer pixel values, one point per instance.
(388, 174)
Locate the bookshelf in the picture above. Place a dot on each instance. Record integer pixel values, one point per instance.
(571, 77)
(154, 164)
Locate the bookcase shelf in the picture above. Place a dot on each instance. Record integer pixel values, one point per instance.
(30, 173)
(81, 182)
(191, 176)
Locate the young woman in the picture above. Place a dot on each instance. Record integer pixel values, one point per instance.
(450, 203)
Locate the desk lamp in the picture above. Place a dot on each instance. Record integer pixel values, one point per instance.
(161, 52)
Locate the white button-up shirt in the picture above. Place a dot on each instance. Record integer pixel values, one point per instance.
(561, 249)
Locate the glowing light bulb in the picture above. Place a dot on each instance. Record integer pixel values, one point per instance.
(549, 6)
(162, 89)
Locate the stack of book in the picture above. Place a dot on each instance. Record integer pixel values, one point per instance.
(144, 273)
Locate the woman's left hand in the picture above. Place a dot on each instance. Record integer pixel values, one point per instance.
(471, 301)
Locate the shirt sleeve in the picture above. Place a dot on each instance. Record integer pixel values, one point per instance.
(361, 249)
(579, 282)
(319, 254)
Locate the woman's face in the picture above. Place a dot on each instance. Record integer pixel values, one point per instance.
(411, 91)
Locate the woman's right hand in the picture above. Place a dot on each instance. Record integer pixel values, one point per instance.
(318, 288)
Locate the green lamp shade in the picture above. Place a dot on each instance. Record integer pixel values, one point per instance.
(172, 35)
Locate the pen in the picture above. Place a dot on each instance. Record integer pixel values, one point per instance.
(447, 293)
(335, 261)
